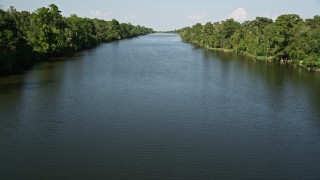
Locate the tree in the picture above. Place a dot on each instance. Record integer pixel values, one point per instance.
(15, 53)
(285, 28)
(46, 32)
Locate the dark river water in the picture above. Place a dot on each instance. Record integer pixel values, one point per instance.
(156, 108)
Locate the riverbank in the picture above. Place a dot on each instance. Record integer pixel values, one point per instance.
(295, 63)
(253, 57)
(28, 38)
(288, 38)
(34, 58)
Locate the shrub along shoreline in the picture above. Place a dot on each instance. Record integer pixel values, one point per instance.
(288, 39)
(27, 38)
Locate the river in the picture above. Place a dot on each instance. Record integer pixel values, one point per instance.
(154, 107)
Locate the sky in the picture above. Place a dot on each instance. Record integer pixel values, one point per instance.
(163, 15)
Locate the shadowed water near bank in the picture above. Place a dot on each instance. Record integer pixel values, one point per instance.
(156, 108)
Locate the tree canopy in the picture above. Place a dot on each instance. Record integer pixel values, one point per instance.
(289, 37)
(27, 37)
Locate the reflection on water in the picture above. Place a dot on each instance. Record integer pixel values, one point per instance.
(154, 107)
(24, 85)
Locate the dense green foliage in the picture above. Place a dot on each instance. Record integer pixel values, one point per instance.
(15, 52)
(288, 37)
(25, 36)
